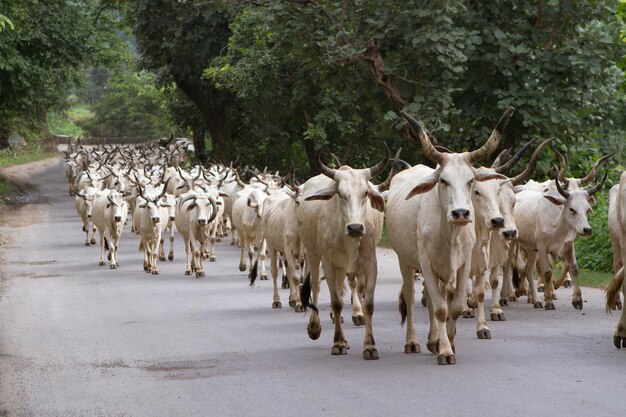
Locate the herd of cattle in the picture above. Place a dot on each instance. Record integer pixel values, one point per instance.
(460, 226)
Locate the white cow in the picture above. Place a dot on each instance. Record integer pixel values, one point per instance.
(340, 223)
(195, 212)
(83, 202)
(151, 214)
(612, 292)
(247, 215)
(427, 214)
(109, 214)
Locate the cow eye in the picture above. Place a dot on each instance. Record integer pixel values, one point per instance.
(476, 192)
(572, 211)
(443, 182)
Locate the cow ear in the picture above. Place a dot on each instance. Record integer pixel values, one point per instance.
(557, 201)
(223, 194)
(143, 206)
(426, 184)
(165, 205)
(253, 205)
(376, 199)
(482, 174)
(191, 207)
(324, 194)
(592, 201)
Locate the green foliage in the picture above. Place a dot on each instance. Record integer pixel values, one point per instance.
(130, 106)
(4, 22)
(594, 252)
(30, 153)
(65, 122)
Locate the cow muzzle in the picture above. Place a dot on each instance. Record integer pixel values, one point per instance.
(172, 218)
(460, 216)
(587, 231)
(118, 219)
(509, 234)
(156, 220)
(201, 221)
(89, 216)
(497, 223)
(355, 230)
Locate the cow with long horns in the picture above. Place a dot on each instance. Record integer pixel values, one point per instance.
(428, 213)
(612, 291)
(340, 221)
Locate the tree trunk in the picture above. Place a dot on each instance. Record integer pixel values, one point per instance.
(199, 134)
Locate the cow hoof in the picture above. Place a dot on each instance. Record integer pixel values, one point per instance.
(483, 334)
(242, 267)
(567, 284)
(87, 244)
(550, 305)
(578, 304)
(263, 277)
(446, 360)
(619, 305)
(113, 266)
(433, 347)
(498, 317)
(299, 308)
(92, 241)
(292, 303)
(468, 314)
(540, 288)
(513, 299)
(277, 304)
(199, 274)
(187, 272)
(358, 320)
(412, 347)
(170, 257)
(101, 263)
(538, 304)
(314, 331)
(424, 302)
(370, 354)
(212, 259)
(155, 272)
(619, 342)
(339, 350)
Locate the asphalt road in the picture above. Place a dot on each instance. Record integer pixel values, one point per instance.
(81, 340)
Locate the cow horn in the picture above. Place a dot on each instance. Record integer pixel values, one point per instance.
(592, 190)
(562, 165)
(502, 156)
(336, 159)
(329, 172)
(214, 213)
(111, 201)
(560, 189)
(493, 141)
(594, 170)
(259, 178)
(164, 188)
(184, 200)
(379, 167)
(525, 175)
(428, 149)
(443, 149)
(505, 168)
(239, 182)
(383, 186)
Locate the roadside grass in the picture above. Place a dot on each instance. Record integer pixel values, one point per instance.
(30, 153)
(65, 123)
(594, 279)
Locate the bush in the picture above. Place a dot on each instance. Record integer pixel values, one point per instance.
(594, 252)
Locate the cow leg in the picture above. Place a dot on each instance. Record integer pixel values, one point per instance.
(262, 259)
(367, 282)
(189, 253)
(496, 311)
(335, 280)
(439, 306)
(155, 252)
(293, 273)
(531, 259)
(170, 255)
(468, 312)
(406, 304)
(212, 257)
(93, 234)
(544, 261)
(357, 310)
(242, 261)
(569, 255)
(455, 303)
(564, 276)
(482, 330)
(162, 249)
(619, 338)
(113, 251)
(86, 229)
(101, 263)
(314, 328)
(274, 269)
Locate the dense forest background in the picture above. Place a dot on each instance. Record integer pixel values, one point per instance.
(273, 82)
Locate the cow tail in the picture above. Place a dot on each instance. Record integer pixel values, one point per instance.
(305, 293)
(516, 278)
(254, 271)
(403, 309)
(612, 290)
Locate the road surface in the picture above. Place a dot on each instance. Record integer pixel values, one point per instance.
(81, 340)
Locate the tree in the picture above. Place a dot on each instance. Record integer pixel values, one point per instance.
(177, 43)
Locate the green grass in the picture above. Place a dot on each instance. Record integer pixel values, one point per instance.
(5, 190)
(594, 279)
(65, 123)
(28, 154)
